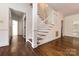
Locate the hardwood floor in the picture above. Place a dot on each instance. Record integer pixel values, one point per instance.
(17, 48)
(68, 46)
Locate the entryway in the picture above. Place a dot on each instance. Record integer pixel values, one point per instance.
(14, 27)
(17, 29)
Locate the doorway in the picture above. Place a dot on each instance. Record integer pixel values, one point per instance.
(16, 27)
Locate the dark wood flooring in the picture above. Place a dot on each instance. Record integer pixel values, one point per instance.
(68, 46)
(18, 47)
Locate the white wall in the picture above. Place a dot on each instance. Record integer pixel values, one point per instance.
(68, 25)
(34, 25)
(4, 16)
(29, 24)
(20, 28)
(55, 18)
(4, 34)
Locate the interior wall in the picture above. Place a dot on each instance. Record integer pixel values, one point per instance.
(13, 17)
(20, 26)
(34, 24)
(68, 25)
(4, 17)
(29, 24)
(55, 18)
(4, 37)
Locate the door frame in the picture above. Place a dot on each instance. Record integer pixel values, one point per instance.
(10, 23)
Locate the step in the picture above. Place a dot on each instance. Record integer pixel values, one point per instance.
(41, 34)
(50, 26)
(38, 38)
(38, 42)
(42, 30)
(45, 28)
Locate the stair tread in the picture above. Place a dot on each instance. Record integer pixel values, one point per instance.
(42, 34)
(38, 42)
(38, 38)
(44, 29)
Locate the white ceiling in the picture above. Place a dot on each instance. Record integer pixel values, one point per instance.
(66, 8)
(18, 13)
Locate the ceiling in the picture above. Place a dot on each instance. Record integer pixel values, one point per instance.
(18, 13)
(66, 8)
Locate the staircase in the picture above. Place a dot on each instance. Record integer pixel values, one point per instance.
(44, 31)
(48, 26)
